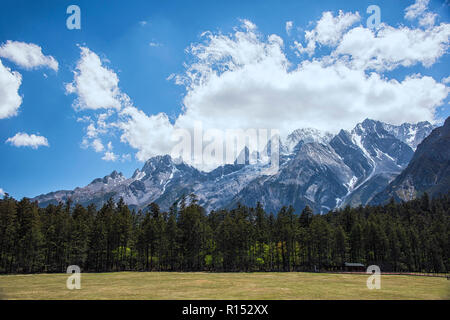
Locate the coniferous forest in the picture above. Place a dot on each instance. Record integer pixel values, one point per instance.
(411, 236)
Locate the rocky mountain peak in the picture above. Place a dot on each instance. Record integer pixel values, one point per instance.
(113, 176)
(157, 163)
(410, 133)
(306, 135)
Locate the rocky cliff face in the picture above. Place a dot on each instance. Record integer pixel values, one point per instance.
(428, 170)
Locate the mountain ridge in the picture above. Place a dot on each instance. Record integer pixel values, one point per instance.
(317, 168)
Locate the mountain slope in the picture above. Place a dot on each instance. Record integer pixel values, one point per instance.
(410, 133)
(351, 168)
(375, 155)
(428, 170)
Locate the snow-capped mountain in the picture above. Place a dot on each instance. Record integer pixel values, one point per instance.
(428, 171)
(375, 157)
(349, 169)
(158, 178)
(317, 168)
(306, 135)
(411, 134)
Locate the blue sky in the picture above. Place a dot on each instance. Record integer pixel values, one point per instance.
(143, 43)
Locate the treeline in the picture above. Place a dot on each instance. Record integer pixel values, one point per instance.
(412, 236)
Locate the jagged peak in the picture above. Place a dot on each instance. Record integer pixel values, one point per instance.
(367, 122)
(306, 135)
(368, 126)
(305, 132)
(159, 158)
(113, 175)
(156, 162)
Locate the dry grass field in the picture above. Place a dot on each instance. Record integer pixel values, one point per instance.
(223, 286)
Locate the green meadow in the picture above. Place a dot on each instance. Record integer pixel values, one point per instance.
(223, 286)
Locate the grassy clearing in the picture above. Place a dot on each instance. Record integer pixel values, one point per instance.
(223, 286)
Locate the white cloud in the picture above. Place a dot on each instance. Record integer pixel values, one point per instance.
(2, 192)
(446, 80)
(143, 23)
(416, 9)
(289, 25)
(95, 129)
(96, 86)
(150, 135)
(109, 156)
(428, 19)
(248, 25)
(419, 10)
(244, 80)
(27, 55)
(25, 140)
(97, 145)
(328, 30)
(10, 100)
(391, 47)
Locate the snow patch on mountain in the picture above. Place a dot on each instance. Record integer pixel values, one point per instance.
(306, 135)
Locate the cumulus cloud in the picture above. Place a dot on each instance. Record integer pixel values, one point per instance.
(392, 47)
(97, 145)
(150, 135)
(109, 156)
(419, 10)
(2, 192)
(416, 9)
(10, 100)
(27, 55)
(22, 139)
(244, 80)
(96, 128)
(428, 19)
(328, 30)
(96, 86)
